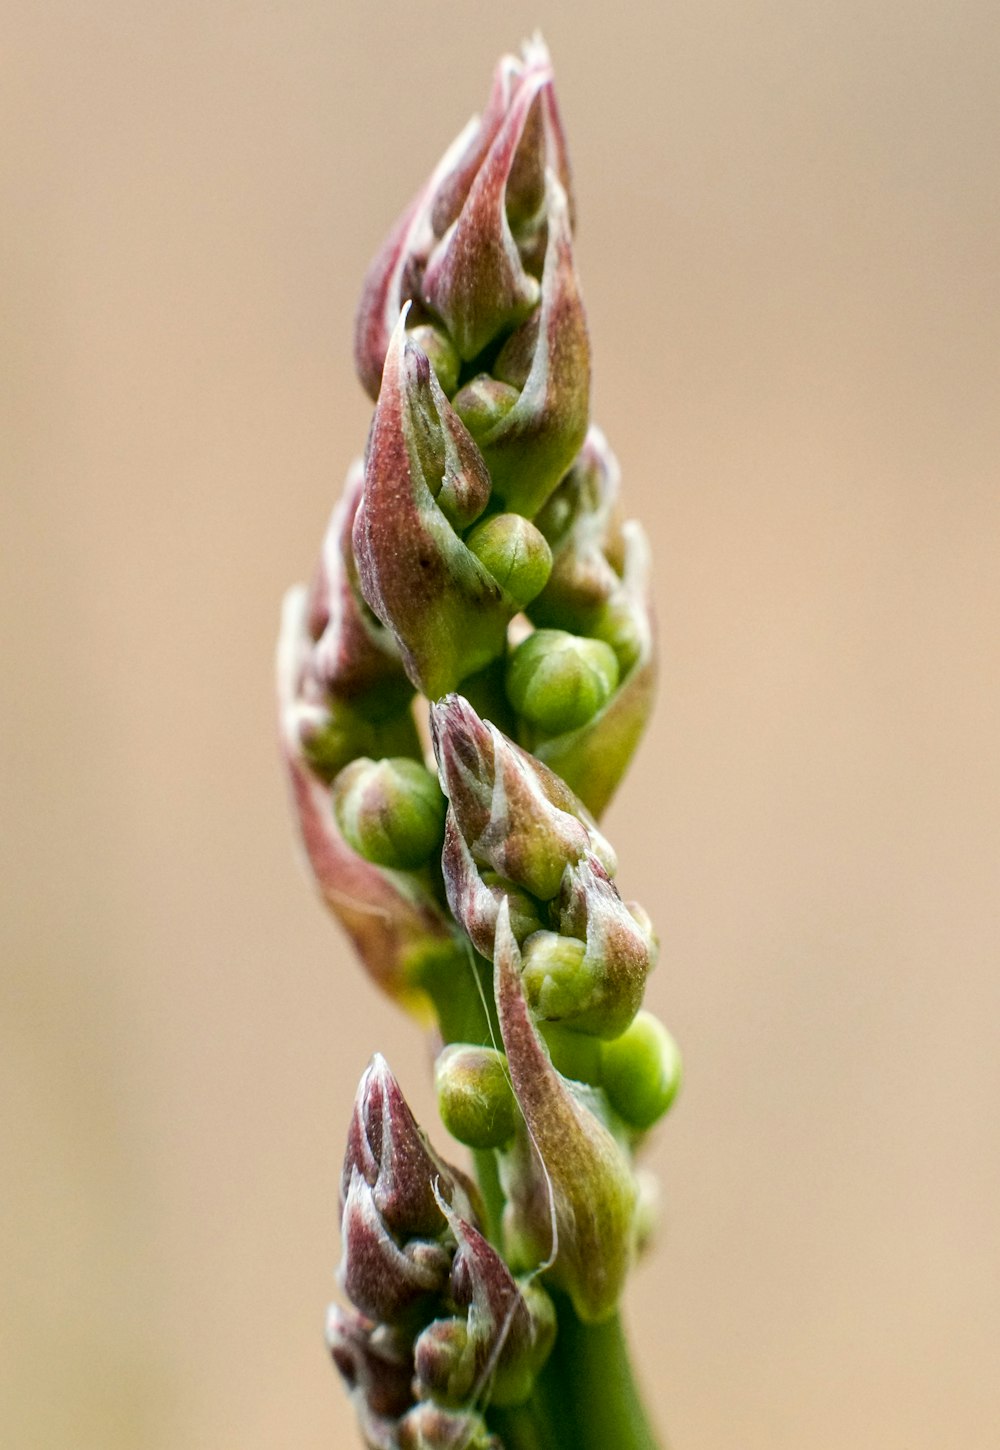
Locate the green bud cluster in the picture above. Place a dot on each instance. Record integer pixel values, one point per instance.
(639, 1072)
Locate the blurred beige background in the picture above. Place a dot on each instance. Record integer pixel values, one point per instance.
(790, 246)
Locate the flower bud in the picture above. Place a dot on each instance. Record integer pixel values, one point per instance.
(425, 480)
(510, 1329)
(516, 818)
(387, 1148)
(376, 1364)
(619, 952)
(593, 757)
(599, 586)
(429, 1427)
(482, 403)
(569, 1171)
(475, 280)
(514, 552)
(386, 1282)
(555, 975)
(558, 681)
(390, 811)
(641, 1071)
(474, 1094)
(445, 1361)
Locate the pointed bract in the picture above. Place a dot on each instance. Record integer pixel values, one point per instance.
(381, 1279)
(535, 441)
(572, 1173)
(425, 477)
(482, 214)
(387, 1148)
(475, 280)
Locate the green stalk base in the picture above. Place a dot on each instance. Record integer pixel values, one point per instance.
(586, 1397)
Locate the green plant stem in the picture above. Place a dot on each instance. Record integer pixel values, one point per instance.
(488, 1175)
(596, 1379)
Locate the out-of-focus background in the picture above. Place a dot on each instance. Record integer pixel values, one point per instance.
(790, 246)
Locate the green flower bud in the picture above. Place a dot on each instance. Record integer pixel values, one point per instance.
(557, 981)
(394, 920)
(440, 350)
(474, 1094)
(514, 552)
(558, 681)
(482, 403)
(642, 1071)
(390, 811)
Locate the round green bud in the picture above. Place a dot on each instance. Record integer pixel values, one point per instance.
(441, 353)
(514, 552)
(558, 681)
(557, 983)
(475, 1098)
(642, 1071)
(390, 811)
(483, 403)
